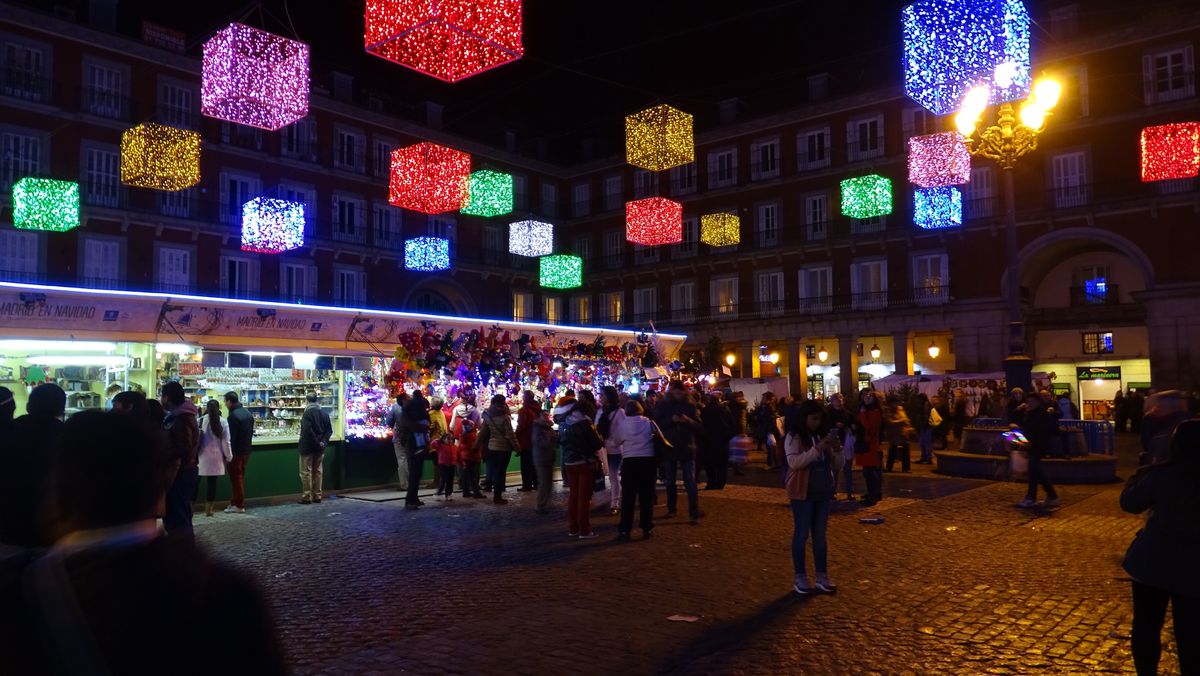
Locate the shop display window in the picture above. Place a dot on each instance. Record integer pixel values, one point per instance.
(90, 372)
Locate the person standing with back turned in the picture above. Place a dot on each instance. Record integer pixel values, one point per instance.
(183, 432)
(315, 431)
(241, 438)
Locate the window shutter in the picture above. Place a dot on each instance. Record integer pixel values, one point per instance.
(1148, 78)
(851, 140)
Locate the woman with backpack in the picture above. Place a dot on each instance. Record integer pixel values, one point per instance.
(580, 447)
(866, 445)
(814, 457)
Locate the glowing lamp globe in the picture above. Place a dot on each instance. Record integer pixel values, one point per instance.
(937, 208)
(426, 254)
(160, 157)
(271, 225)
(659, 138)
(951, 46)
(254, 78)
(489, 193)
(45, 204)
(561, 271)
(429, 178)
(867, 196)
(1171, 151)
(720, 229)
(654, 221)
(446, 39)
(938, 160)
(531, 238)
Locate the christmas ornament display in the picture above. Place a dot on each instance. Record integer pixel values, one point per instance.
(937, 207)
(659, 138)
(720, 229)
(45, 204)
(561, 271)
(271, 225)
(254, 78)
(938, 160)
(654, 221)
(160, 157)
(429, 178)
(489, 193)
(1171, 151)
(531, 238)
(866, 196)
(446, 39)
(951, 46)
(426, 254)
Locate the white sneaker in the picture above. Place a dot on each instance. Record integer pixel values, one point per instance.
(230, 509)
(588, 536)
(825, 585)
(1026, 503)
(239, 510)
(801, 586)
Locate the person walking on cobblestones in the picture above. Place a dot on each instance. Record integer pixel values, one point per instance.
(581, 444)
(680, 424)
(841, 421)
(717, 433)
(1041, 428)
(634, 434)
(923, 422)
(814, 457)
(500, 442)
(1165, 555)
(607, 420)
(897, 429)
(545, 447)
(315, 431)
(867, 454)
(464, 425)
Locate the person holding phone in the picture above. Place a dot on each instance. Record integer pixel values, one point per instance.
(814, 457)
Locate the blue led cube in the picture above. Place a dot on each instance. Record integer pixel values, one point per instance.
(937, 208)
(952, 46)
(426, 254)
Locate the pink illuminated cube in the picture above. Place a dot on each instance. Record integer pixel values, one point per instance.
(938, 160)
(254, 78)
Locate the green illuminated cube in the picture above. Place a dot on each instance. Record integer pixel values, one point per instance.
(561, 271)
(489, 193)
(45, 204)
(867, 196)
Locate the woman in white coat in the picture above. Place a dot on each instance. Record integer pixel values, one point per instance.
(215, 450)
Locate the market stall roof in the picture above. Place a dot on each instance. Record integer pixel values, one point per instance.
(44, 311)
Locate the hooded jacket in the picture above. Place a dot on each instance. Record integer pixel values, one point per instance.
(578, 436)
(498, 422)
(183, 432)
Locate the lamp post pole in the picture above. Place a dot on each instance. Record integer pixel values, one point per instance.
(1018, 366)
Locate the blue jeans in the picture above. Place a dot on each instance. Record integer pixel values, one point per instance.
(925, 438)
(177, 518)
(689, 484)
(810, 516)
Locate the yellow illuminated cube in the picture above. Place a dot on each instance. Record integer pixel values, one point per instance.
(160, 157)
(659, 138)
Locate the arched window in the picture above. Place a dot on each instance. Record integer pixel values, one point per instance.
(430, 302)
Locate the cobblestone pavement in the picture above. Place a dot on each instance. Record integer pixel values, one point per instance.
(956, 580)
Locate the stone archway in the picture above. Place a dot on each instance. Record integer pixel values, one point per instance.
(1041, 255)
(441, 297)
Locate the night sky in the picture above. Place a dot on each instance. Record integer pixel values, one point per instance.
(590, 62)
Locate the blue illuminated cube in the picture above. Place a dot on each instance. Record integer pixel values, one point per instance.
(952, 46)
(426, 254)
(937, 208)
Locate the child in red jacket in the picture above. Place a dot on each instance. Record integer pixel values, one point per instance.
(447, 459)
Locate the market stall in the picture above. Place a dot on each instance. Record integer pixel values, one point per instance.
(274, 354)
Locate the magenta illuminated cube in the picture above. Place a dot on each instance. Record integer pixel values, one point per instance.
(447, 39)
(938, 160)
(254, 78)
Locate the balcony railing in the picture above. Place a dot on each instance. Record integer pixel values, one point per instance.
(21, 84)
(1107, 294)
(106, 103)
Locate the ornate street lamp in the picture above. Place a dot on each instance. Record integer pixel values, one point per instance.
(1013, 136)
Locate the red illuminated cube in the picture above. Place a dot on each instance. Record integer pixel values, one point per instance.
(653, 221)
(1171, 151)
(447, 39)
(429, 178)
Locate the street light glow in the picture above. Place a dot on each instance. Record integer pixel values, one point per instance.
(1047, 92)
(730, 359)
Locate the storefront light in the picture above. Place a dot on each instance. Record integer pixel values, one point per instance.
(822, 354)
(934, 350)
(79, 360)
(58, 345)
(173, 348)
(304, 361)
(875, 351)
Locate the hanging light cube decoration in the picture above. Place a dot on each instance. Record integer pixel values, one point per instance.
(937, 207)
(720, 229)
(1171, 151)
(867, 196)
(653, 221)
(561, 271)
(426, 254)
(45, 204)
(659, 138)
(160, 157)
(429, 178)
(951, 46)
(938, 160)
(271, 225)
(254, 78)
(489, 193)
(531, 238)
(447, 39)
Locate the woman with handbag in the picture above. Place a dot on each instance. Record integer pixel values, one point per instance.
(580, 447)
(866, 445)
(814, 456)
(641, 444)
(1165, 555)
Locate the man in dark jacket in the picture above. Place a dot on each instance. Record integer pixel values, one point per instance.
(717, 424)
(28, 450)
(414, 421)
(241, 437)
(315, 431)
(1041, 428)
(680, 423)
(395, 420)
(1165, 411)
(183, 433)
